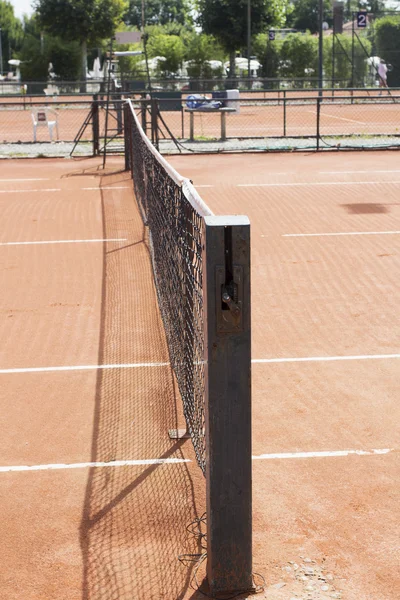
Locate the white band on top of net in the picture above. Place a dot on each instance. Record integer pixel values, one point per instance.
(188, 188)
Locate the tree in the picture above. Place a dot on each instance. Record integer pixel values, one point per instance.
(387, 37)
(64, 56)
(38, 51)
(268, 53)
(80, 20)
(169, 46)
(299, 56)
(344, 74)
(376, 7)
(305, 15)
(227, 21)
(11, 31)
(157, 12)
(200, 50)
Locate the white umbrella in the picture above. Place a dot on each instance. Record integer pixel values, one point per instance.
(373, 61)
(242, 64)
(96, 69)
(153, 62)
(215, 64)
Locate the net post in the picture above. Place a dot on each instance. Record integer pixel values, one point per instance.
(95, 125)
(127, 136)
(228, 403)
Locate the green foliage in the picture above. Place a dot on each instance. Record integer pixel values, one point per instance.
(170, 46)
(387, 37)
(158, 12)
(65, 56)
(11, 31)
(201, 48)
(343, 72)
(268, 53)
(305, 15)
(80, 20)
(376, 7)
(227, 20)
(299, 56)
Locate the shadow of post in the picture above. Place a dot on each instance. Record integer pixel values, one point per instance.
(134, 518)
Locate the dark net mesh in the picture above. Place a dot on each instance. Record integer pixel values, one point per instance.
(176, 233)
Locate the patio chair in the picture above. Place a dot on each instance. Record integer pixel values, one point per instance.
(44, 117)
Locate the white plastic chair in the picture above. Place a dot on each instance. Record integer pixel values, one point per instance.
(44, 117)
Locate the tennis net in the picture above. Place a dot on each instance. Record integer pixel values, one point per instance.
(201, 266)
(174, 213)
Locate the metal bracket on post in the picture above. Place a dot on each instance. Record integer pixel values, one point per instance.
(178, 434)
(228, 404)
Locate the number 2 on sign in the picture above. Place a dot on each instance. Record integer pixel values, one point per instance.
(361, 19)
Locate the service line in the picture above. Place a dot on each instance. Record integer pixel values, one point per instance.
(33, 179)
(174, 461)
(152, 365)
(84, 368)
(340, 233)
(67, 190)
(63, 242)
(324, 358)
(88, 465)
(311, 183)
(325, 454)
(356, 172)
(323, 114)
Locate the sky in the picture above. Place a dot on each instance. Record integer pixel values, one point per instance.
(22, 7)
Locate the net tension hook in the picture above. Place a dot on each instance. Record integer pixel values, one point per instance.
(233, 306)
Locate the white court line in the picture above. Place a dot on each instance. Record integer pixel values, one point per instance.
(326, 454)
(323, 358)
(99, 189)
(355, 172)
(84, 368)
(167, 364)
(33, 179)
(323, 114)
(111, 187)
(341, 233)
(174, 461)
(62, 242)
(88, 465)
(310, 183)
(30, 191)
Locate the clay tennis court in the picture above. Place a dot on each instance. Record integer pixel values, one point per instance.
(95, 497)
(373, 115)
(292, 120)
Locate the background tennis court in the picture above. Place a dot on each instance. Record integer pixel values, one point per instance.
(325, 293)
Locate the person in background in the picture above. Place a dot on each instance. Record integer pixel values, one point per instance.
(382, 72)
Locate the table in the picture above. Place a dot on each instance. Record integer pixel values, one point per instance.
(222, 111)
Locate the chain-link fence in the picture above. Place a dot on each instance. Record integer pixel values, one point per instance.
(130, 84)
(31, 126)
(263, 121)
(290, 120)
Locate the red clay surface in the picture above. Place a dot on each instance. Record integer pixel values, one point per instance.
(17, 125)
(115, 533)
(318, 297)
(379, 116)
(300, 120)
(101, 533)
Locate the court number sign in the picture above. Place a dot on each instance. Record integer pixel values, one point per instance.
(361, 20)
(271, 35)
